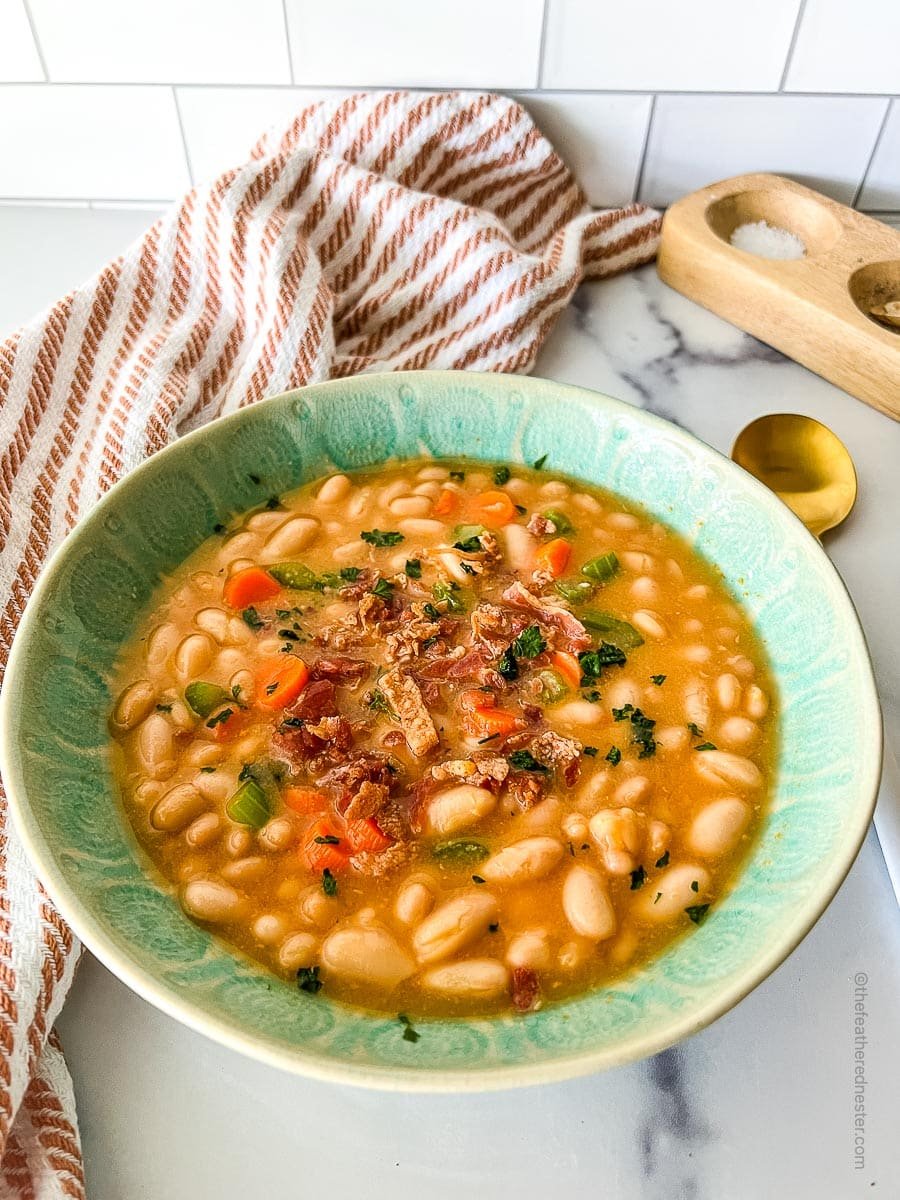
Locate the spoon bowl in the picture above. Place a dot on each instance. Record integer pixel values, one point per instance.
(804, 463)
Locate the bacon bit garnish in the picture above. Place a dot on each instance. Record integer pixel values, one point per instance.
(525, 989)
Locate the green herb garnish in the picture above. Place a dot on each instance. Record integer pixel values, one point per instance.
(252, 618)
(641, 728)
(614, 756)
(164, 708)
(706, 746)
(308, 980)
(591, 751)
(329, 883)
(664, 861)
(273, 502)
(524, 760)
(220, 718)
(383, 589)
(697, 912)
(539, 462)
(445, 592)
(414, 568)
(529, 643)
(459, 476)
(592, 662)
(460, 851)
(507, 665)
(409, 1034)
(478, 879)
(375, 537)
(696, 731)
(501, 476)
(695, 886)
(377, 702)
(350, 574)
(431, 612)
(637, 879)
(659, 680)
(327, 839)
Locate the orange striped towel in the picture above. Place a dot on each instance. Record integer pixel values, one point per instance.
(377, 232)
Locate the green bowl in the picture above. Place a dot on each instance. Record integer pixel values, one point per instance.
(68, 812)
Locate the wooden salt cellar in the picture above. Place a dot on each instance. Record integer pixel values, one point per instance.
(816, 309)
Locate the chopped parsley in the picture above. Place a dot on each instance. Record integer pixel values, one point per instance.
(664, 861)
(697, 912)
(376, 538)
(468, 568)
(641, 728)
(501, 476)
(706, 746)
(696, 731)
(614, 756)
(592, 662)
(409, 1034)
(383, 589)
(507, 665)
(431, 612)
(539, 462)
(308, 980)
(520, 509)
(288, 635)
(350, 574)
(656, 897)
(207, 770)
(414, 568)
(164, 708)
(273, 687)
(695, 886)
(377, 701)
(459, 476)
(637, 879)
(252, 618)
(469, 545)
(460, 850)
(220, 718)
(659, 680)
(273, 502)
(591, 751)
(327, 839)
(493, 927)
(219, 527)
(478, 879)
(445, 592)
(524, 760)
(529, 643)
(329, 883)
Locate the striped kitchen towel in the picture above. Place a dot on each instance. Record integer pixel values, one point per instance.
(385, 231)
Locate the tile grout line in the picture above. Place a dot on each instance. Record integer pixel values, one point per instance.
(37, 41)
(792, 44)
(639, 182)
(287, 41)
(380, 87)
(184, 145)
(875, 145)
(542, 44)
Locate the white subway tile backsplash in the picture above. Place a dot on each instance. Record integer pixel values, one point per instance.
(881, 190)
(601, 137)
(221, 124)
(847, 46)
(650, 45)
(428, 43)
(824, 142)
(106, 142)
(178, 41)
(19, 60)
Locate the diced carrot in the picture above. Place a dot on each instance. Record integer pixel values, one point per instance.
(481, 718)
(492, 509)
(324, 852)
(365, 834)
(249, 586)
(445, 503)
(235, 723)
(566, 665)
(280, 681)
(306, 801)
(553, 557)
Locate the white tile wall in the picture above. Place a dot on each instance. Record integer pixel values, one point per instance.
(125, 100)
(847, 46)
(881, 190)
(163, 41)
(114, 142)
(825, 142)
(433, 43)
(19, 59)
(666, 46)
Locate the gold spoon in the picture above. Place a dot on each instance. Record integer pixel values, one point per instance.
(804, 463)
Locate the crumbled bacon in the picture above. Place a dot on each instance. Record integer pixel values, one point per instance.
(404, 697)
(347, 778)
(525, 989)
(482, 770)
(540, 526)
(362, 583)
(369, 800)
(554, 750)
(339, 669)
(496, 627)
(393, 737)
(525, 787)
(405, 643)
(334, 730)
(555, 615)
(317, 700)
(377, 863)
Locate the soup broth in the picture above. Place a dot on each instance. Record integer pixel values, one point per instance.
(445, 738)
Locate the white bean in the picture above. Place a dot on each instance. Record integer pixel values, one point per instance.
(316, 908)
(214, 785)
(133, 705)
(336, 488)
(430, 489)
(587, 905)
(293, 536)
(213, 621)
(742, 666)
(203, 831)
(587, 503)
(718, 825)
(523, 861)
(453, 925)
(420, 526)
(414, 902)
(194, 654)
(156, 746)
(698, 592)
(349, 551)
(696, 703)
(737, 733)
(269, 928)
(635, 790)
(575, 826)
(411, 506)
(238, 841)
(621, 520)
(264, 522)
(623, 691)
(696, 653)
(245, 870)
(473, 978)
(728, 692)
(727, 770)
(617, 832)
(298, 950)
(459, 808)
(673, 891)
(531, 948)
(203, 754)
(637, 561)
(160, 645)
(210, 900)
(579, 712)
(519, 546)
(277, 834)
(650, 624)
(756, 702)
(672, 737)
(432, 473)
(646, 590)
(368, 955)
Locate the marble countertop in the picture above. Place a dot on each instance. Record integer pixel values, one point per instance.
(758, 1105)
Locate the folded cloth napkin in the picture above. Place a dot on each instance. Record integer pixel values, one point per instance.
(380, 232)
